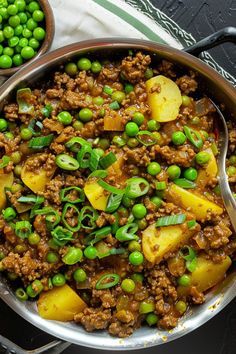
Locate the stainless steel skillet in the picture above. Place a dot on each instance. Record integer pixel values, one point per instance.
(217, 88)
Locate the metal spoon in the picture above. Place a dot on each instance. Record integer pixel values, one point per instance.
(226, 193)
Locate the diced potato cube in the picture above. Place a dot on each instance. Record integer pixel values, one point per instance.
(113, 123)
(6, 180)
(156, 242)
(96, 195)
(165, 104)
(211, 170)
(60, 304)
(35, 180)
(192, 201)
(206, 275)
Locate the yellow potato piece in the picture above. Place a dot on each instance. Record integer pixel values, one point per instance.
(211, 170)
(6, 180)
(165, 104)
(60, 304)
(96, 195)
(206, 275)
(35, 180)
(156, 242)
(194, 202)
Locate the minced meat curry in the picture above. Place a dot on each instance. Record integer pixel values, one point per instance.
(111, 213)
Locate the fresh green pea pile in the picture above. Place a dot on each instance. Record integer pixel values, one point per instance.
(22, 30)
(74, 240)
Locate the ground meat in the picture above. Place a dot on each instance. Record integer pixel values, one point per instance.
(187, 84)
(232, 140)
(133, 68)
(45, 161)
(120, 329)
(183, 156)
(92, 318)
(137, 156)
(58, 145)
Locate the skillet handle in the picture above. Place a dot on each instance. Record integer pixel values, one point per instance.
(227, 34)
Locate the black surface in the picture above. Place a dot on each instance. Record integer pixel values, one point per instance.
(218, 336)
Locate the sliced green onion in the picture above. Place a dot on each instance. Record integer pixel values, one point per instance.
(114, 251)
(23, 229)
(127, 232)
(146, 138)
(52, 216)
(107, 281)
(184, 183)
(24, 99)
(5, 161)
(214, 149)
(66, 162)
(98, 173)
(65, 222)
(75, 144)
(110, 188)
(194, 137)
(191, 224)
(94, 160)
(108, 90)
(115, 225)
(33, 124)
(187, 253)
(113, 203)
(84, 155)
(160, 186)
(108, 160)
(61, 236)
(47, 110)
(41, 141)
(171, 220)
(97, 235)
(114, 105)
(67, 195)
(136, 187)
(31, 198)
(88, 217)
(191, 265)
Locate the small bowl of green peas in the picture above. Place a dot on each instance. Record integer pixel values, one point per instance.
(26, 32)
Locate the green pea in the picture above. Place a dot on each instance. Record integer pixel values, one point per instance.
(18, 170)
(34, 239)
(31, 24)
(79, 275)
(9, 214)
(127, 202)
(26, 134)
(129, 88)
(139, 211)
(98, 101)
(142, 223)
(231, 171)
(128, 285)
(16, 187)
(85, 115)
(132, 142)
(131, 129)
(9, 135)
(153, 168)
(134, 246)
(23, 42)
(137, 277)
(118, 96)
(18, 30)
(181, 307)
(184, 280)
(15, 157)
(152, 319)
(148, 73)
(23, 17)
(17, 60)
(71, 69)
(20, 4)
(195, 120)
(33, 6)
(26, 33)
(34, 43)
(64, 117)
(5, 61)
(34, 289)
(12, 9)
(153, 125)
(157, 136)
(146, 307)
(232, 160)
(66, 162)
(104, 143)
(3, 125)
(52, 257)
(2, 255)
(27, 52)
(39, 33)
(99, 151)
(202, 157)
(38, 15)
(84, 64)
(20, 249)
(90, 252)
(173, 172)
(77, 125)
(8, 51)
(157, 201)
(186, 100)
(136, 258)
(191, 173)
(178, 138)
(21, 294)
(14, 21)
(96, 67)
(72, 256)
(58, 279)
(138, 118)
